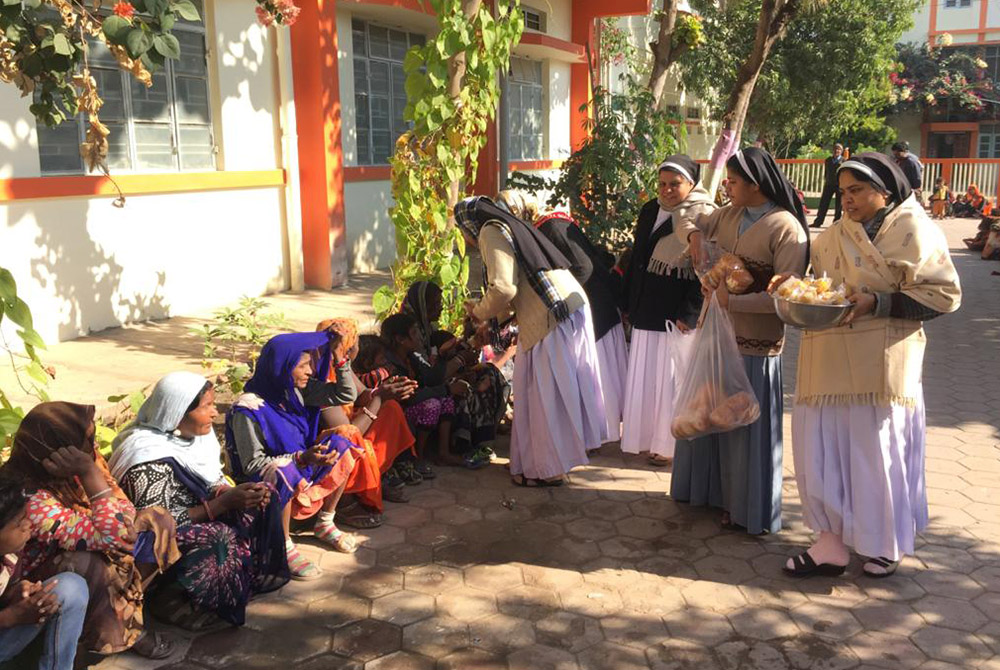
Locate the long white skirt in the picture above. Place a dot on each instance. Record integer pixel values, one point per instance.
(612, 362)
(558, 404)
(653, 376)
(860, 471)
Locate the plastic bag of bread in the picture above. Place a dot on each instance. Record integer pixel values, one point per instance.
(730, 269)
(715, 395)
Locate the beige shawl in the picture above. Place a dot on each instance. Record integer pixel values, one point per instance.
(877, 361)
(670, 252)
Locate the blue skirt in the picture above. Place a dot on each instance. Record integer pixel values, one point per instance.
(739, 471)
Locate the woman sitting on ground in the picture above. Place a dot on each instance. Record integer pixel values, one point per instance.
(971, 204)
(371, 418)
(431, 408)
(273, 437)
(53, 609)
(478, 414)
(82, 522)
(230, 537)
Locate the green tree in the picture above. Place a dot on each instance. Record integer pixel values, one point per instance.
(926, 77)
(827, 78)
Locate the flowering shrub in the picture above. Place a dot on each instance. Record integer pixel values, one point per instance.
(925, 77)
(280, 12)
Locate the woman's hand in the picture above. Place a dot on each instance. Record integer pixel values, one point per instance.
(246, 496)
(315, 455)
(682, 327)
(722, 293)
(397, 388)
(778, 280)
(696, 247)
(864, 303)
(68, 462)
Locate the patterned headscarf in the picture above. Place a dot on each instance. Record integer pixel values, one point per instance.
(46, 428)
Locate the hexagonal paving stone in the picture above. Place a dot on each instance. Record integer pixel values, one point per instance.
(680, 655)
(882, 649)
(541, 657)
(494, 577)
(432, 498)
(401, 660)
(461, 555)
(569, 551)
(988, 577)
(610, 572)
(502, 634)
(407, 516)
(381, 537)
(565, 630)
(247, 648)
(699, 626)
(629, 548)
(436, 637)
(763, 592)
(591, 600)
(809, 651)
(888, 617)
(713, 596)
(337, 610)
(472, 659)
(556, 511)
(951, 584)
(456, 515)
(826, 621)
(898, 589)
(432, 534)
(374, 582)
(323, 662)
(404, 556)
(952, 646)
(403, 607)
(735, 545)
(630, 630)
(433, 579)
(367, 639)
(724, 570)
(654, 508)
(990, 634)
(609, 655)
(528, 602)
(467, 604)
(762, 623)
(940, 557)
(605, 510)
(950, 613)
(653, 597)
(642, 528)
(553, 578)
(989, 604)
(591, 529)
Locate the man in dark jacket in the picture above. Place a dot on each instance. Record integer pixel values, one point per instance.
(910, 165)
(830, 189)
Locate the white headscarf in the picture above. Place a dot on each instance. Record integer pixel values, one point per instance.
(152, 437)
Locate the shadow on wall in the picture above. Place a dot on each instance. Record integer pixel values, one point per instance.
(84, 279)
(371, 235)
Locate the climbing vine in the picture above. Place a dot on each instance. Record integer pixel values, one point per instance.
(452, 93)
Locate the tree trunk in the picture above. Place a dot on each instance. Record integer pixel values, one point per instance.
(663, 55)
(775, 15)
(456, 75)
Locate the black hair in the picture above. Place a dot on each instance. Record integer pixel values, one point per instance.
(397, 325)
(439, 337)
(901, 146)
(13, 498)
(369, 347)
(198, 398)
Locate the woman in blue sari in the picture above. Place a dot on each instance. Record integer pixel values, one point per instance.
(275, 438)
(230, 538)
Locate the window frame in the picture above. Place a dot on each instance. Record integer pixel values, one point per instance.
(175, 125)
(522, 85)
(957, 4)
(389, 62)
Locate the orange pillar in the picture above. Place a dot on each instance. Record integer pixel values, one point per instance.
(321, 156)
(582, 32)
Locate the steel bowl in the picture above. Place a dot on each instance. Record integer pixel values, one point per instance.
(810, 317)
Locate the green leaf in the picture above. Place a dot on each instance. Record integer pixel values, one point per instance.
(31, 338)
(186, 10)
(8, 287)
(167, 45)
(116, 29)
(37, 372)
(135, 400)
(116, 398)
(167, 21)
(137, 42)
(157, 7)
(19, 313)
(9, 422)
(62, 45)
(384, 300)
(414, 59)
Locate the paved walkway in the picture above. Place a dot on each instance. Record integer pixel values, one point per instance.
(608, 573)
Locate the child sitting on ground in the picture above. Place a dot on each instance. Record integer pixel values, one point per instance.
(52, 610)
(941, 199)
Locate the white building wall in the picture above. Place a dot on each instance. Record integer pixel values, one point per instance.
(84, 265)
(921, 24)
(957, 18)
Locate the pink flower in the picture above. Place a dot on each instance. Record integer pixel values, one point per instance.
(264, 17)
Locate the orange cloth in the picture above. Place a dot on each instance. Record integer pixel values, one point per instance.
(309, 499)
(387, 437)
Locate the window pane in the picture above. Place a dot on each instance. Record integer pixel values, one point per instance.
(364, 147)
(118, 152)
(150, 104)
(397, 45)
(59, 147)
(398, 99)
(99, 54)
(515, 148)
(192, 60)
(360, 76)
(152, 146)
(514, 105)
(192, 100)
(196, 148)
(361, 113)
(109, 86)
(379, 99)
(378, 45)
(381, 146)
(360, 38)
(417, 40)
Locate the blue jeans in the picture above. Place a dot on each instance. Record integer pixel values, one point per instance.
(62, 630)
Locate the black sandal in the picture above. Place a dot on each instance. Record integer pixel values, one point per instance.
(805, 566)
(886, 564)
(527, 482)
(153, 646)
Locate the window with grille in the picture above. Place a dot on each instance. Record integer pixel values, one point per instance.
(379, 88)
(164, 128)
(693, 113)
(525, 112)
(957, 3)
(533, 19)
(989, 141)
